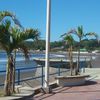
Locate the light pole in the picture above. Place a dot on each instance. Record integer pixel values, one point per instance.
(46, 84)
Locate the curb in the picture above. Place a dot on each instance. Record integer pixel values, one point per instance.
(25, 92)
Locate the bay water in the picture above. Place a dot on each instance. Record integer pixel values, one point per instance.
(20, 60)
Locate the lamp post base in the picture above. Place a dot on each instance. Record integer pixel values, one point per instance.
(46, 90)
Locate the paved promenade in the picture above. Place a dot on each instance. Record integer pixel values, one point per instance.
(89, 91)
(93, 72)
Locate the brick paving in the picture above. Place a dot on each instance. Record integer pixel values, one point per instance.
(89, 91)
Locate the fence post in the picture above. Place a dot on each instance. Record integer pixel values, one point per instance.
(59, 68)
(18, 76)
(85, 65)
(42, 75)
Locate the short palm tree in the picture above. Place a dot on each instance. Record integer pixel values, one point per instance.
(10, 39)
(69, 41)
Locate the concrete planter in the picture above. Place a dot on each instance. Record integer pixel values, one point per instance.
(71, 80)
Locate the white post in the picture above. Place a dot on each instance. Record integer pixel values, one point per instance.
(46, 84)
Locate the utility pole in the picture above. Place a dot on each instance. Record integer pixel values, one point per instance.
(46, 83)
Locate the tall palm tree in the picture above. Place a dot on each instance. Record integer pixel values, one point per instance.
(3, 15)
(6, 14)
(69, 41)
(81, 35)
(11, 39)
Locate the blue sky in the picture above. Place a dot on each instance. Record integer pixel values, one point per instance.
(65, 15)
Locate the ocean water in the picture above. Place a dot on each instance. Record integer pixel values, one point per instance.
(20, 60)
(21, 63)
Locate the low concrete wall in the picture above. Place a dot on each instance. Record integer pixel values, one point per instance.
(71, 80)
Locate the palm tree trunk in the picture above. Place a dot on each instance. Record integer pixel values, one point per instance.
(13, 80)
(78, 61)
(9, 76)
(7, 80)
(71, 61)
(6, 86)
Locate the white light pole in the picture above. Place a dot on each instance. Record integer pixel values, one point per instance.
(46, 84)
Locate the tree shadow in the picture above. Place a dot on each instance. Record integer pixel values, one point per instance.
(89, 82)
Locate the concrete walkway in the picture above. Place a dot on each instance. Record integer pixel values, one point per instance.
(89, 91)
(24, 94)
(93, 72)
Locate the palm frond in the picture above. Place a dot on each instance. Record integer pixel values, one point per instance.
(92, 34)
(69, 39)
(72, 31)
(32, 33)
(63, 35)
(28, 34)
(4, 32)
(80, 32)
(4, 14)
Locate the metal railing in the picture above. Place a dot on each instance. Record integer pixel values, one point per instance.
(19, 70)
(41, 76)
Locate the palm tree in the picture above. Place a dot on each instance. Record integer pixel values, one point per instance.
(69, 41)
(11, 39)
(81, 35)
(3, 15)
